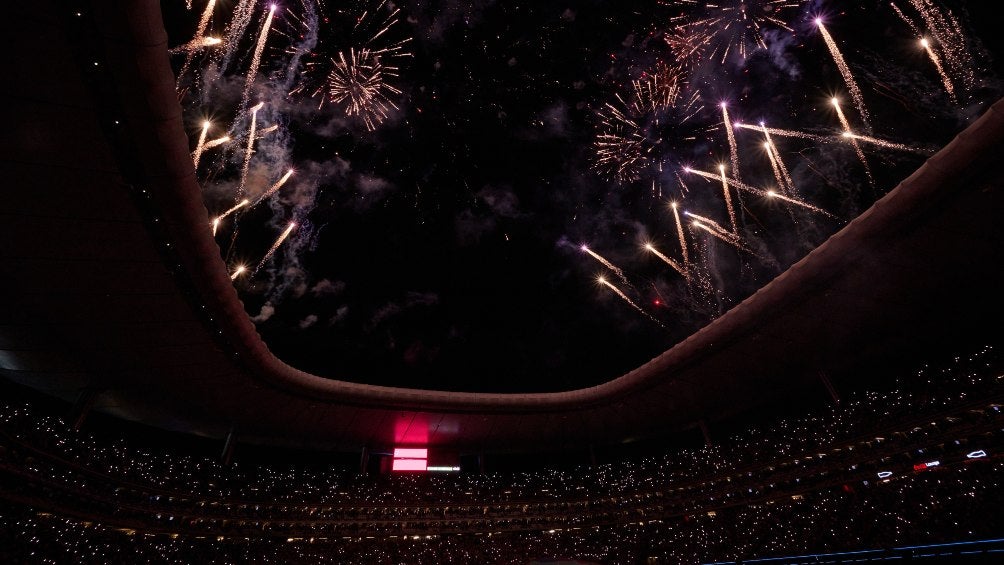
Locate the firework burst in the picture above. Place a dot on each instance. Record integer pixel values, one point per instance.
(358, 84)
(640, 128)
(718, 30)
(359, 79)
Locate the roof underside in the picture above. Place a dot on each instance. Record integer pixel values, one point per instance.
(112, 279)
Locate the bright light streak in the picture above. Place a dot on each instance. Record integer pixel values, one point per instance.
(234, 208)
(796, 202)
(786, 132)
(624, 297)
(275, 187)
(718, 231)
(216, 142)
(278, 242)
(676, 266)
(256, 57)
(728, 199)
(884, 143)
(943, 36)
(607, 264)
(853, 139)
(200, 146)
(845, 71)
(780, 171)
(679, 234)
(249, 150)
(733, 150)
(200, 31)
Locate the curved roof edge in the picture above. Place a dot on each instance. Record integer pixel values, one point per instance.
(138, 29)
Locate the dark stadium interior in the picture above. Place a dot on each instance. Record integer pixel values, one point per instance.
(146, 419)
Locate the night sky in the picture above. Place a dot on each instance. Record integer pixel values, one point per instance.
(440, 248)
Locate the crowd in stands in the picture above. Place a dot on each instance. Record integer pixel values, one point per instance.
(919, 462)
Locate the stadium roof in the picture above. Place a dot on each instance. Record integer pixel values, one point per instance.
(113, 282)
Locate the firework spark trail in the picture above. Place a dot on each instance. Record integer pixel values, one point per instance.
(906, 19)
(267, 130)
(240, 270)
(742, 186)
(807, 206)
(733, 151)
(885, 144)
(775, 159)
(724, 237)
(947, 33)
(250, 149)
(713, 225)
(721, 233)
(784, 180)
(200, 31)
(275, 246)
(607, 264)
(215, 143)
(937, 65)
(684, 189)
(728, 199)
(278, 184)
(624, 297)
(786, 132)
(234, 32)
(679, 234)
(193, 46)
(218, 219)
(852, 85)
(395, 49)
(234, 208)
(309, 24)
(857, 147)
(773, 165)
(197, 154)
(256, 59)
(732, 182)
(676, 266)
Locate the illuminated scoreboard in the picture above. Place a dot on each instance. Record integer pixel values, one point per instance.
(412, 459)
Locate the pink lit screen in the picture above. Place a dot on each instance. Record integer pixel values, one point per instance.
(405, 453)
(409, 465)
